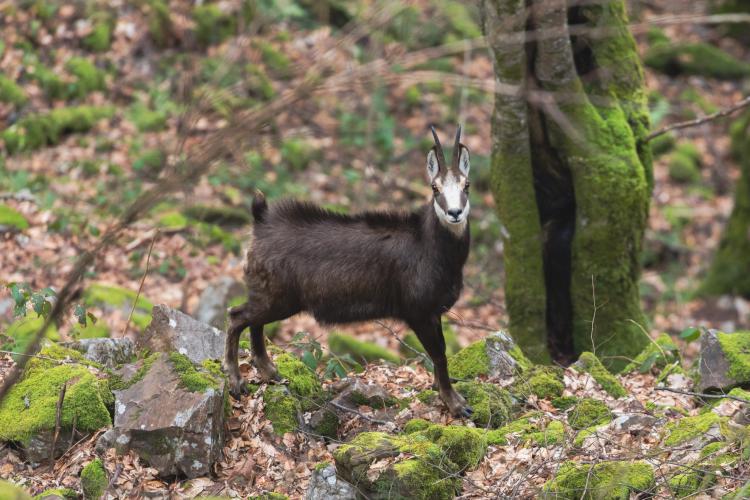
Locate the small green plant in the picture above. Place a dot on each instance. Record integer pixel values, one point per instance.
(41, 302)
(313, 356)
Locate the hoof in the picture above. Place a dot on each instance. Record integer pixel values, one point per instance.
(267, 370)
(238, 389)
(463, 412)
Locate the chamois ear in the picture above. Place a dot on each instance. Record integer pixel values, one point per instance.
(463, 160)
(432, 165)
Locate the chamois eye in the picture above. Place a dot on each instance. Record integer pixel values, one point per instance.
(466, 187)
(435, 190)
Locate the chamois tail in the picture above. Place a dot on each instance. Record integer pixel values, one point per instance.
(260, 207)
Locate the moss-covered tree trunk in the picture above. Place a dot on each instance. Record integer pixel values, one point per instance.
(730, 269)
(571, 175)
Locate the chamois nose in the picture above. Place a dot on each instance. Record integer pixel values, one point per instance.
(454, 212)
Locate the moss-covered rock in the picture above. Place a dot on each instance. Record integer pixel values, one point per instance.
(93, 480)
(685, 429)
(611, 480)
(553, 434)
(34, 131)
(545, 382)
(587, 413)
(88, 77)
(49, 81)
(12, 219)
(589, 363)
(661, 352)
(9, 491)
(119, 380)
(29, 409)
(55, 494)
(470, 362)
(496, 355)
(10, 92)
(684, 164)
(212, 25)
(416, 425)
(365, 352)
(303, 382)
(282, 409)
(146, 119)
(427, 469)
(492, 405)
(586, 433)
(736, 347)
(528, 429)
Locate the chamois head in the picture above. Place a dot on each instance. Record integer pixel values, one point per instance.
(450, 184)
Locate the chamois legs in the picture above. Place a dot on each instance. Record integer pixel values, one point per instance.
(430, 334)
(241, 317)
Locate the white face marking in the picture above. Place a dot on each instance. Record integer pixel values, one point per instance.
(451, 189)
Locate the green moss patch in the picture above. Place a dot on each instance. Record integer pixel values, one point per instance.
(470, 362)
(545, 382)
(191, 378)
(65, 493)
(587, 413)
(611, 480)
(553, 434)
(107, 297)
(12, 218)
(10, 92)
(589, 363)
(431, 460)
(10, 491)
(736, 347)
(303, 382)
(492, 405)
(20, 333)
(100, 37)
(35, 131)
(212, 25)
(282, 409)
(684, 164)
(30, 406)
(685, 429)
(117, 383)
(94, 480)
(88, 77)
(368, 352)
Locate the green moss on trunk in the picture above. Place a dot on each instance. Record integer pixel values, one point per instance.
(730, 269)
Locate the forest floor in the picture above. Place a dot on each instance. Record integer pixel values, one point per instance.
(352, 148)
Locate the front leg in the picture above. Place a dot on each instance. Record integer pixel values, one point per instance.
(238, 321)
(430, 333)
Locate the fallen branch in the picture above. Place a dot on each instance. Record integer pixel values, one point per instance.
(703, 395)
(744, 103)
(58, 421)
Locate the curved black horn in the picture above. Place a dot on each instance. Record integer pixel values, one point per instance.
(438, 148)
(457, 146)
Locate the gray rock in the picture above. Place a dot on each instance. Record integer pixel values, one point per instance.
(177, 431)
(172, 330)
(716, 367)
(38, 447)
(498, 347)
(105, 442)
(325, 485)
(215, 299)
(108, 352)
(634, 423)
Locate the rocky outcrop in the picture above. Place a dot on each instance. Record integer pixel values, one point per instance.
(173, 331)
(724, 361)
(495, 356)
(173, 417)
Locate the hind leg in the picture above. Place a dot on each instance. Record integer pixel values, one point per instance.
(239, 319)
(260, 356)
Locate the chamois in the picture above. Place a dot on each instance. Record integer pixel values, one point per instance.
(342, 268)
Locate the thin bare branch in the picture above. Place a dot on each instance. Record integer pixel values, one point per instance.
(744, 103)
(702, 395)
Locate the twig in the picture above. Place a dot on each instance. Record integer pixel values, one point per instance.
(58, 421)
(358, 413)
(115, 476)
(703, 395)
(419, 354)
(702, 119)
(143, 279)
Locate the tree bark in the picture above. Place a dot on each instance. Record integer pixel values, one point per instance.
(730, 270)
(571, 175)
